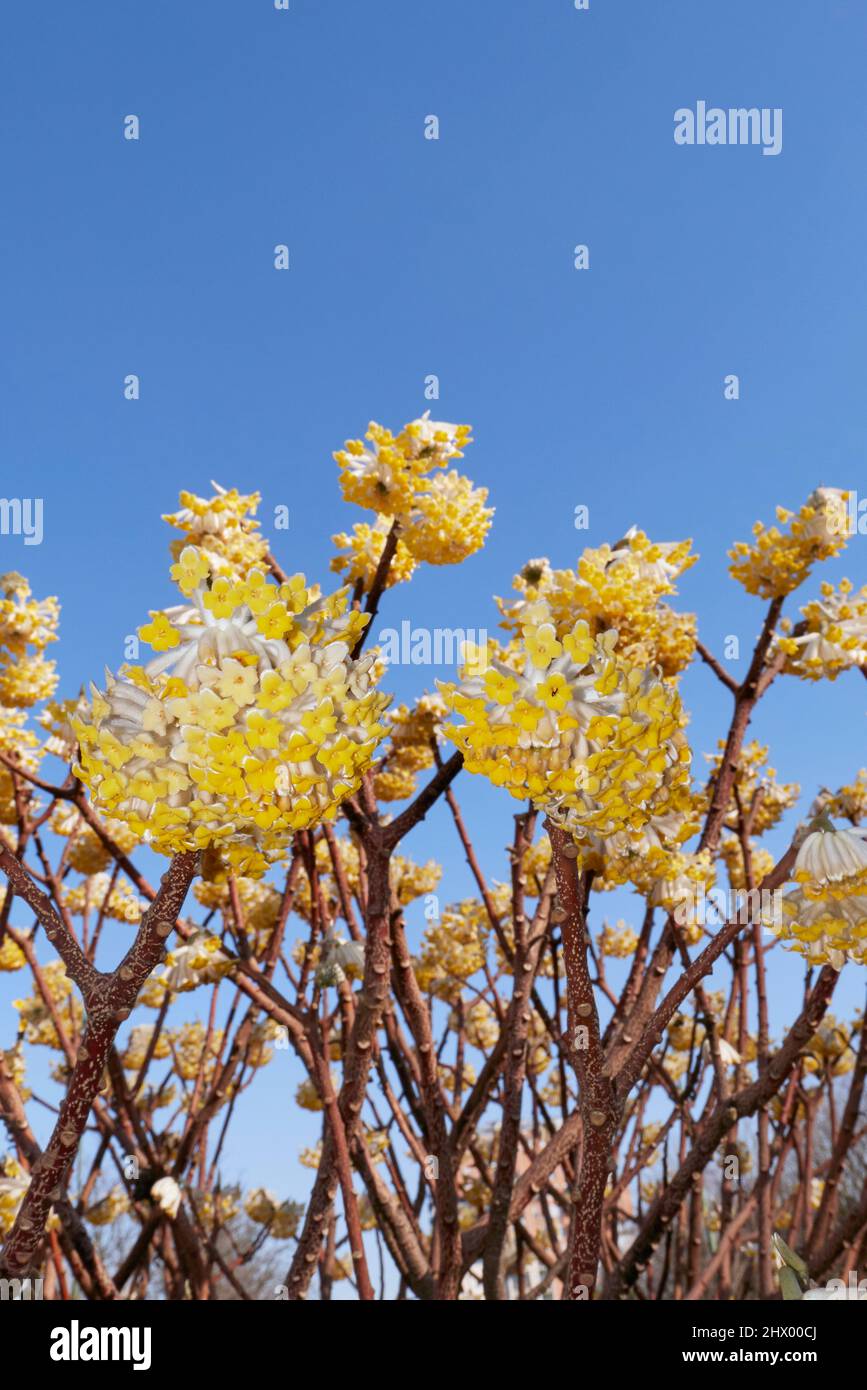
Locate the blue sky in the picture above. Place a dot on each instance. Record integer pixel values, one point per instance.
(455, 257)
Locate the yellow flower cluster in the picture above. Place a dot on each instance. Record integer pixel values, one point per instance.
(97, 894)
(55, 717)
(216, 1208)
(778, 561)
(87, 854)
(253, 722)
(18, 743)
(680, 881)
(394, 785)
(200, 960)
(386, 476)
(824, 917)
(826, 930)
(685, 1033)
(588, 738)
(358, 555)
(761, 861)
(107, 1210)
(619, 941)
(752, 774)
(281, 1218)
(535, 864)
(480, 1024)
(14, 1059)
(260, 903)
(14, 1183)
(443, 517)
(138, 1042)
(410, 880)
(412, 733)
(259, 1053)
(36, 1020)
(619, 587)
(27, 625)
(835, 636)
(449, 522)
(831, 1047)
(189, 1051)
(849, 802)
(307, 1096)
(223, 526)
(453, 949)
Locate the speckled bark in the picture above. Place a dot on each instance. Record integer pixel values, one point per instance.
(370, 1002)
(108, 1000)
(598, 1103)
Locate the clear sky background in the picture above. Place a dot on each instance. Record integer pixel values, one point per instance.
(453, 257)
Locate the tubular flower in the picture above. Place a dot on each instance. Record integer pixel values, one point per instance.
(86, 853)
(621, 587)
(167, 1195)
(25, 621)
(36, 1021)
(394, 785)
(201, 960)
(777, 562)
(14, 1183)
(849, 803)
(619, 941)
(835, 638)
(386, 476)
(138, 1044)
(761, 862)
(832, 862)
(265, 1209)
(190, 1052)
(27, 625)
(638, 857)
(830, 1048)
(679, 889)
(339, 957)
(114, 1204)
(359, 555)
(752, 774)
(827, 930)
(98, 894)
(592, 741)
(223, 528)
(449, 522)
(253, 722)
(452, 950)
(11, 956)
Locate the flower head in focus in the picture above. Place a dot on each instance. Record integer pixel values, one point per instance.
(591, 740)
(826, 929)
(200, 960)
(358, 555)
(834, 637)
(778, 561)
(832, 861)
(223, 528)
(252, 722)
(167, 1195)
(449, 520)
